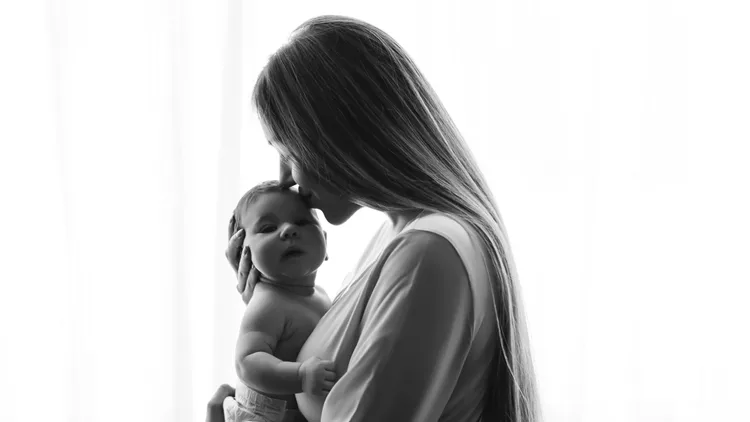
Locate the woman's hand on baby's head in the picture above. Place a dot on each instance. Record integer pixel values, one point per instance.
(234, 248)
(241, 261)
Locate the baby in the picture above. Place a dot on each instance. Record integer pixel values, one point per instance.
(287, 246)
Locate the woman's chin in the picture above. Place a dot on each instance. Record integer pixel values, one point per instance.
(339, 216)
(337, 219)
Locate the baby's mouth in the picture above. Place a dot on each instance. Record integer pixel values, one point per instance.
(292, 252)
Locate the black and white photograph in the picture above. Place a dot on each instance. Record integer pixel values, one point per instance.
(375, 211)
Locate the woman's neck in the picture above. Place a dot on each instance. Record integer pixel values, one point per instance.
(399, 219)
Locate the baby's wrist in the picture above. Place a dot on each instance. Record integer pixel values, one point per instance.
(300, 377)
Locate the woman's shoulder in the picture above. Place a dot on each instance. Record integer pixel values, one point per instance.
(447, 237)
(439, 237)
(453, 229)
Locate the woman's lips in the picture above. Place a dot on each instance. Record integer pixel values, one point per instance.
(307, 196)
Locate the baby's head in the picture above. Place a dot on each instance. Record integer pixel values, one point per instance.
(282, 231)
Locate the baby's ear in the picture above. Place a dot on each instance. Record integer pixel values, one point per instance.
(325, 236)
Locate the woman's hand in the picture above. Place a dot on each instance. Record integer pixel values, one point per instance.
(215, 411)
(241, 262)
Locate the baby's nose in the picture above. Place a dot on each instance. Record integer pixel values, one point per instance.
(290, 231)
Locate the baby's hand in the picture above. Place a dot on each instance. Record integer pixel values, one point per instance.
(317, 376)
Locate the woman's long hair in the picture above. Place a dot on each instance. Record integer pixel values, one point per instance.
(352, 108)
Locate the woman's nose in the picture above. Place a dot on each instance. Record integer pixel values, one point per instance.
(304, 192)
(285, 175)
(290, 231)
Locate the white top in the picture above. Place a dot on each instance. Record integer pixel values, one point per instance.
(413, 335)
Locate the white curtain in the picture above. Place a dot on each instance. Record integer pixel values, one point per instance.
(120, 165)
(614, 135)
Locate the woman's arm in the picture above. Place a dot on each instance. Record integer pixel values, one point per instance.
(416, 334)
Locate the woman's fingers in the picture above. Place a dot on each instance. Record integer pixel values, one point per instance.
(224, 391)
(234, 248)
(252, 280)
(215, 411)
(232, 229)
(247, 276)
(243, 269)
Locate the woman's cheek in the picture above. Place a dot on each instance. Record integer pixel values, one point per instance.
(302, 178)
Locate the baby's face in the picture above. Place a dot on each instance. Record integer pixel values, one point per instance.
(285, 238)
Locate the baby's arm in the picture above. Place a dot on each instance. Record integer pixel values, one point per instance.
(262, 327)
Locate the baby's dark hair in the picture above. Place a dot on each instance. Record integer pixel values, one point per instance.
(269, 186)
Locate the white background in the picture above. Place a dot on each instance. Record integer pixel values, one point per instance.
(614, 136)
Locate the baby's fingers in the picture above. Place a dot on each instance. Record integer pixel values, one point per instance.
(329, 375)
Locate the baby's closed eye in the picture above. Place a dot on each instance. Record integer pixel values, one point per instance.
(267, 228)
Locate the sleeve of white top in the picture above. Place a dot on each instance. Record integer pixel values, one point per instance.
(416, 334)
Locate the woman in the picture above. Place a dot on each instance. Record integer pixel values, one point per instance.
(430, 326)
